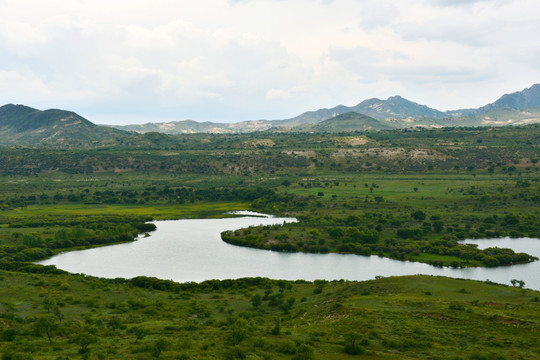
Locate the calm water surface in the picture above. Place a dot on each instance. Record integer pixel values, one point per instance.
(192, 250)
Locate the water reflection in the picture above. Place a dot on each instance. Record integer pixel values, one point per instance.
(192, 250)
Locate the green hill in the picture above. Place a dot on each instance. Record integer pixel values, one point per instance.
(23, 125)
(350, 121)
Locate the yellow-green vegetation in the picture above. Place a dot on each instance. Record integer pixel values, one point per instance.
(409, 195)
(421, 317)
(416, 217)
(156, 212)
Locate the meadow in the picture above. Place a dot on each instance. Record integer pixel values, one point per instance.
(408, 195)
(421, 317)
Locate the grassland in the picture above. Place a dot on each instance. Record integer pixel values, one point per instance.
(417, 217)
(391, 318)
(156, 212)
(407, 195)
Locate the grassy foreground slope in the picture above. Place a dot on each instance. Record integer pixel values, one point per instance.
(421, 317)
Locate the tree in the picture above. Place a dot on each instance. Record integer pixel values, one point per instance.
(139, 332)
(352, 346)
(8, 335)
(282, 284)
(256, 300)
(286, 306)
(160, 345)
(517, 283)
(84, 340)
(277, 327)
(419, 215)
(58, 314)
(49, 303)
(336, 232)
(438, 226)
(304, 352)
(241, 329)
(45, 324)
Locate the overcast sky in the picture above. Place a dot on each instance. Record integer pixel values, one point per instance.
(135, 61)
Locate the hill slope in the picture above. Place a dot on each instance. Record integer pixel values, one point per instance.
(193, 127)
(519, 100)
(350, 121)
(23, 125)
(408, 317)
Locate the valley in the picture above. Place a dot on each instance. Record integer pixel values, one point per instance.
(409, 196)
(269, 180)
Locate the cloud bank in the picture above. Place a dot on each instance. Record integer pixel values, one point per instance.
(223, 60)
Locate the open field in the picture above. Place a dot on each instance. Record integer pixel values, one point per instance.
(391, 318)
(408, 195)
(156, 212)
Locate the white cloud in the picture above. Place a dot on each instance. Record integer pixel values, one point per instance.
(234, 60)
(276, 94)
(456, 2)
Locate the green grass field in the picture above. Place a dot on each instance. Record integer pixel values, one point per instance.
(408, 195)
(417, 317)
(157, 212)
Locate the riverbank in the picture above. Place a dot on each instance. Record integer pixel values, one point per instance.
(191, 250)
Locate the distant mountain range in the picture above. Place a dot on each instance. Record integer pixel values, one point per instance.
(394, 112)
(22, 125)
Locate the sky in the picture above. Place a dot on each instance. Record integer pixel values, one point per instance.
(138, 61)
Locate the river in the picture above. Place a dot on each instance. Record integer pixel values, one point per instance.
(192, 250)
